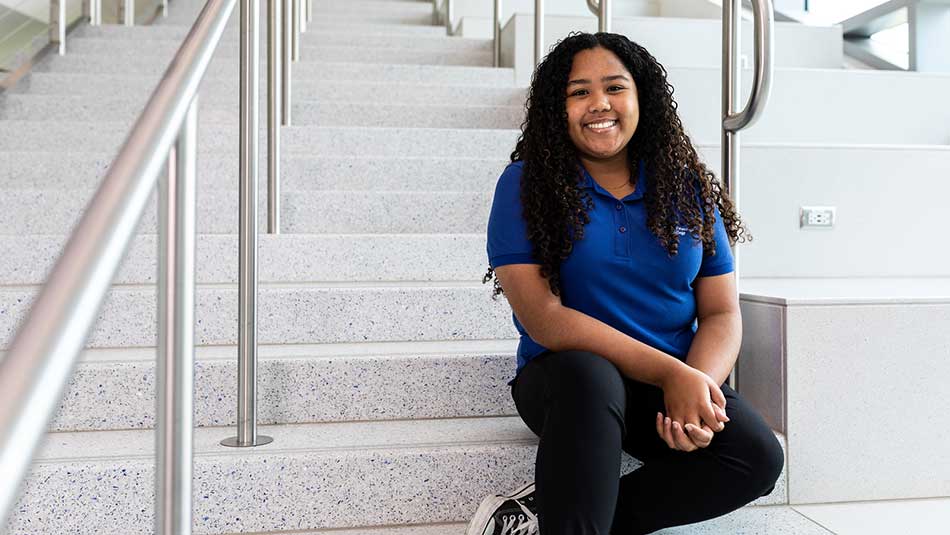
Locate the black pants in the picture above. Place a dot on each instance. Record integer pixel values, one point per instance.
(585, 412)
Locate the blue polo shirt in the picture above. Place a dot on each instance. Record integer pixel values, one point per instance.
(619, 272)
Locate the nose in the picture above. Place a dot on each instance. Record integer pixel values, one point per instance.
(599, 102)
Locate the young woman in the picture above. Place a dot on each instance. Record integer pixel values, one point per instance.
(611, 241)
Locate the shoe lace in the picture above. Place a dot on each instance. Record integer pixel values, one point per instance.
(522, 524)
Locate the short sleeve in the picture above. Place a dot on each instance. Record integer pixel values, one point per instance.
(721, 262)
(508, 241)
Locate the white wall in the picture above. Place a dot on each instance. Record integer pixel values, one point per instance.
(675, 42)
(890, 209)
(824, 106)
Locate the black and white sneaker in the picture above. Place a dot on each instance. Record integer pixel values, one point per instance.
(510, 514)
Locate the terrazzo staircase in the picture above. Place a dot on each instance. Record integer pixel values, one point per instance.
(384, 362)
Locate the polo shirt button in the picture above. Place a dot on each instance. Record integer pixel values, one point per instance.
(623, 229)
(619, 206)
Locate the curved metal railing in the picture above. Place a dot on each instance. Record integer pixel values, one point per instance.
(43, 354)
(732, 121)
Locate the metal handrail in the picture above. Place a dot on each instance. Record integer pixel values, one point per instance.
(764, 58)
(732, 122)
(45, 350)
(538, 31)
(496, 33)
(601, 8)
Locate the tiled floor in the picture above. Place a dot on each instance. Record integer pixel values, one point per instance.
(891, 517)
(904, 517)
(769, 520)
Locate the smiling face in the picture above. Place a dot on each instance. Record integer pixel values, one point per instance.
(602, 105)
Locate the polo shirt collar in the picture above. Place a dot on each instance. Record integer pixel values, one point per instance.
(590, 183)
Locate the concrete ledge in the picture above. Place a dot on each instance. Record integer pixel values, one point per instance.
(845, 348)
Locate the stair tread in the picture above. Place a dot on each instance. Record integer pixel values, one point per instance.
(296, 438)
(317, 351)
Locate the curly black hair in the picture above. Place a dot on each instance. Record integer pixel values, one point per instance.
(554, 205)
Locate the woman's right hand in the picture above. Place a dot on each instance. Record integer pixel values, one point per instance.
(692, 397)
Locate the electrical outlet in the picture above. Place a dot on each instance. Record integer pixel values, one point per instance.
(817, 217)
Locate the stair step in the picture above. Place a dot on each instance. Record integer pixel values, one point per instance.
(81, 86)
(303, 70)
(389, 473)
(386, 36)
(298, 314)
(352, 27)
(216, 108)
(391, 212)
(85, 170)
(82, 136)
(414, 17)
(161, 52)
(115, 388)
(313, 476)
(319, 258)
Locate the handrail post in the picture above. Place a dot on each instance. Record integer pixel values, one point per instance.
(287, 60)
(57, 25)
(449, 11)
(247, 233)
(601, 8)
(296, 33)
(273, 115)
(127, 12)
(731, 24)
(496, 19)
(538, 31)
(174, 384)
(732, 121)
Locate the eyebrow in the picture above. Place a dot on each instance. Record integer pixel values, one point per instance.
(604, 79)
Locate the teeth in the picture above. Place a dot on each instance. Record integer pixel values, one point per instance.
(605, 124)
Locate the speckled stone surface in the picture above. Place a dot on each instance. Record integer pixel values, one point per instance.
(781, 520)
(419, 115)
(119, 394)
(423, 17)
(398, 472)
(85, 170)
(386, 37)
(366, 52)
(339, 212)
(227, 68)
(316, 476)
(310, 112)
(299, 314)
(83, 136)
(281, 258)
(887, 360)
(215, 89)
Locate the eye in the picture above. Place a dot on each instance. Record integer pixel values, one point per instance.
(578, 92)
(616, 87)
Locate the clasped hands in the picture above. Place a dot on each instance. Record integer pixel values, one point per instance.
(691, 396)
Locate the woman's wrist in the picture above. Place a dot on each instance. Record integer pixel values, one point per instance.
(673, 368)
